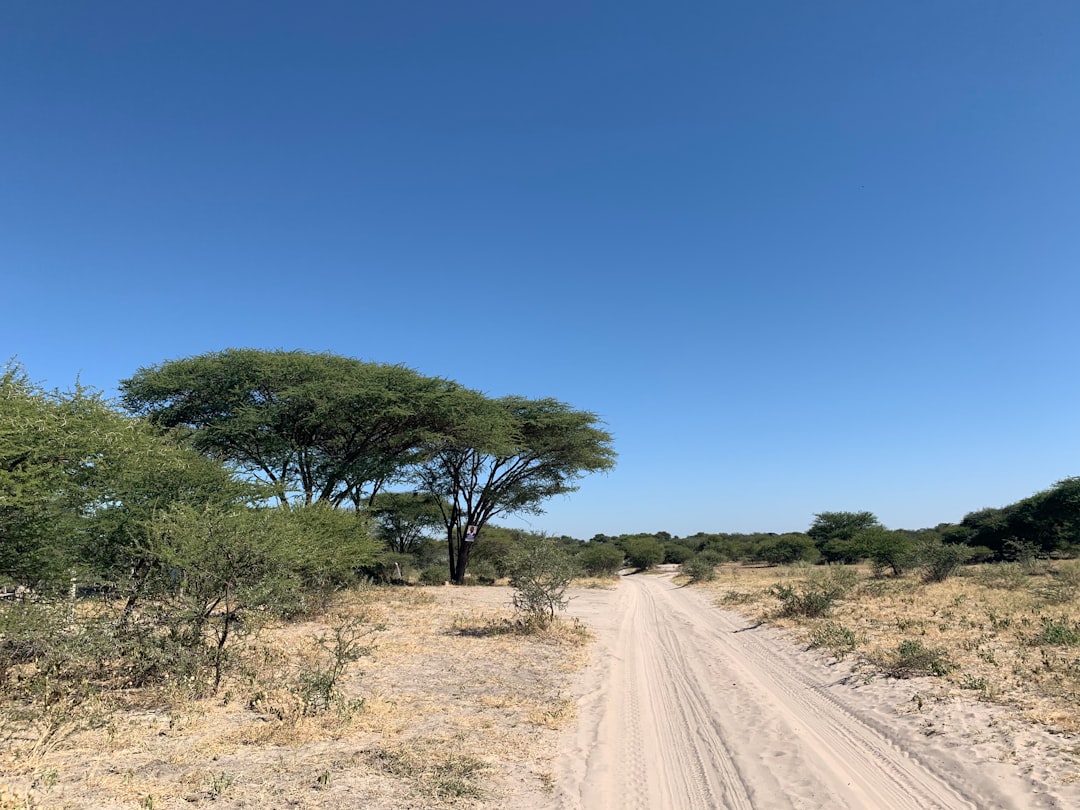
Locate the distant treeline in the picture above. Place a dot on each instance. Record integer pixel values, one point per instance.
(1046, 524)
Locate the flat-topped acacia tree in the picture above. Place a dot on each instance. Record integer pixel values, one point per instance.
(506, 456)
(325, 428)
(315, 427)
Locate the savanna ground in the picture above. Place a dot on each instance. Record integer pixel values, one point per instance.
(986, 662)
(437, 701)
(446, 704)
(1007, 634)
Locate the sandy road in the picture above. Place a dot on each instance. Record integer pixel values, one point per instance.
(689, 706)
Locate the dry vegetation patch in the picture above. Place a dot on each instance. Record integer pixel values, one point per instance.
(395, 698)
(1001, 633)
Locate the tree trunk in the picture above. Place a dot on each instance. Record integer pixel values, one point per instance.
(451, 552)
(458, 572)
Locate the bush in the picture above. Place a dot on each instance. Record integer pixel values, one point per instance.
(437, 575)
(677, 553)
(913, 658)
(788, 549)
(941, 560)
(816, 595)
(833, 637)
(1003, 576)
(699, 569)
(601, 559)
(540, 574)
(1058, 633)
(644, 552)
(393, 566)
(484, 572)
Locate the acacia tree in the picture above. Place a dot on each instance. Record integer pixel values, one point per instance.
(315, 427)
(506, 456)
(834, 534)
(404, 519)
(79, 481)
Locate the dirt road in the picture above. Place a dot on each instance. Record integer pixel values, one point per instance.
(689, 706)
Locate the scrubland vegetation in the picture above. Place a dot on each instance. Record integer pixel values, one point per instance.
(1007, 633)
(240, 557)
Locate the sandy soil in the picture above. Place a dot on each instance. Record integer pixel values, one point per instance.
(675, 703)
(690, 706)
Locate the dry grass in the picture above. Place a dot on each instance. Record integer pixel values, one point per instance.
(450, 706)
(1005, 634)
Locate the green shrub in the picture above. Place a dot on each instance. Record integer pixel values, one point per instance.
(699, 569)
(788, 549)
(941, 560)
(393, 566)
(913, 658)
(677, 553)
(484, 572)
(644, 552)
(601, 559)
(319, 684)
(1058, 633)
(1063, 585)
(1007, 576)
(437, 575)
(833, 637)
(540, 574)
(816, 595)
(712, 556)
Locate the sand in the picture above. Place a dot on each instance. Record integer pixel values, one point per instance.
(674, 703)
(690, 706)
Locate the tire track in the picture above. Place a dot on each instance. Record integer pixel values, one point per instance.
(687, 713)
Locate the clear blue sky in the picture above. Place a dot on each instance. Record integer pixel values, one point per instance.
(799, 256)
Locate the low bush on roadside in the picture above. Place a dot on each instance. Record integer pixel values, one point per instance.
(912, 658)
(319, 684)
(816, 595)
(834, 638)
(540, 574)
(699, 569)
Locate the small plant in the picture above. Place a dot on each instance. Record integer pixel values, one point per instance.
(735, 598)
(540, 574)
(221, 783)
(434, 773)
(1007, 576)
(319, 686)
(913, 658)
(975, 684)
(46, 780)
(1058, 633)
(1064, 585)
(817, 594)
(835, 638)
(1023, 552)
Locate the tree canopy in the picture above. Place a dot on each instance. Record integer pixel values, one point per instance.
(315, 427)
(507, 456)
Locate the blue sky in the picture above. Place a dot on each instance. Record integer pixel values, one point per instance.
(798, 256)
